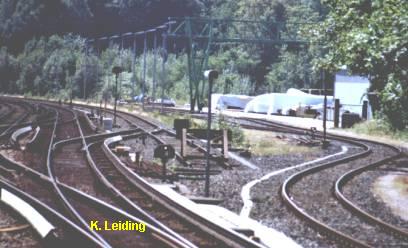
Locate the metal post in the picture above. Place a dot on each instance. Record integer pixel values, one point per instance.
(138, 159)
(116, 70)
(144, 69)
(183, 142)
(207, 167)
(121, 64)
(72, 91)
(85, 70)
(336, 112)
(225, 143)
(164, 59)
(116, 99)
(365, 110)
(133, 66)
(96, 62)
(211, 76)
(164, 161)
(324, 109)
(154, 66)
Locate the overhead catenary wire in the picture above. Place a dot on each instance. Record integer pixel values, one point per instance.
(112, 40)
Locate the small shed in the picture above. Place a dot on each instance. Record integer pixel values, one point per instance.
(352, 92)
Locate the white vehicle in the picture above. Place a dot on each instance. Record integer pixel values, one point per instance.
(121, 102)
(275, 103)
(166, 102)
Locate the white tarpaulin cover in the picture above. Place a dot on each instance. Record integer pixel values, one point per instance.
(273, 103)
(220, 101)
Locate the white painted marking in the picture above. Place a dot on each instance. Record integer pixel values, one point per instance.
(243, 161)
(246, 190)
(268, 236)
(36, 220)
(227, 219)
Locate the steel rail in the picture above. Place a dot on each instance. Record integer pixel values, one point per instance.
(163, 237)
(157, 130)
(8, 112)
(356, 141)
(192, 217)
(152, 231)
(347, 177)
(131, 206)
(74, 213)
(229, 237)
(339, 184)
(40, 224)
(13, 124)
(90, 241)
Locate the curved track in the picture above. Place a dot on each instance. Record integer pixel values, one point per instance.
(338, 172)
(325, 183)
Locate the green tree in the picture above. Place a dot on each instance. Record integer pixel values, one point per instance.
(370, 37)
(8, 71)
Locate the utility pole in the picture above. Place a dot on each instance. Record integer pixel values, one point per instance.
(325, 142)
(154, 66)
(144, 69)
(133, 66)
(164, 59)
(85, 70)
(116, 70)
(211, 75)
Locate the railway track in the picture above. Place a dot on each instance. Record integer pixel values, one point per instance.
(73, 207)
(85, 214)
(156, 209)
(14, 230)
(19, 112)
(151, 238)
(375, 154)
(375, 232)
(36, 189)
(196, 151)
(343, 180)
(137, 194)
(77, 173)
(396, 170)
(309, 207)
(176, 219)
(97, 210)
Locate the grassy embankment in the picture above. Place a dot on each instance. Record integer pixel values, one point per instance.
(381, 130)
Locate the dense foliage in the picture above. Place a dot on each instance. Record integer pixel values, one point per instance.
(370, 37)
(43, 48)
(57, 64)
(21, 20)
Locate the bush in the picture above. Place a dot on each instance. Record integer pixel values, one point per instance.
(394, 99)
(238, 136)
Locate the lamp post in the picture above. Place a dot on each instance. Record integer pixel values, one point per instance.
(325, 142)
(116, 70)
(211, 75)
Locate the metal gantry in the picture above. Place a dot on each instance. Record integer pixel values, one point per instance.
(122, 39)
(201, 33)
(198, 35)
